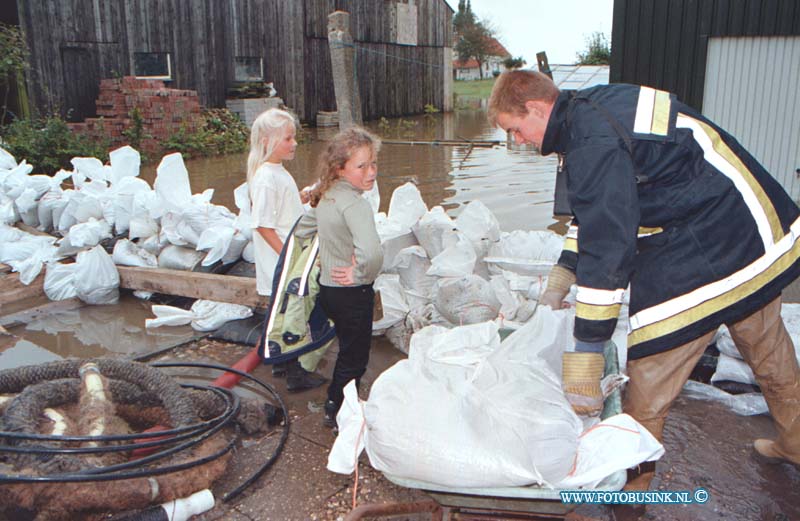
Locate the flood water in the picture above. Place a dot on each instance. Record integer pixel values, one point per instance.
(516, 186)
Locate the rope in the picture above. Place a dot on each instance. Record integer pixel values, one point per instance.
(587, 431)
(338, 45)
(355, 456)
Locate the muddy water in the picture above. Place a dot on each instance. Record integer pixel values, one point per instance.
(516, 186)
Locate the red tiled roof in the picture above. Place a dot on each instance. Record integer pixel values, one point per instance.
(472, 63)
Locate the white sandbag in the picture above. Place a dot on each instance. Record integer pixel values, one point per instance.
(457, 260)
(510, 301)
(96, 277)
(209, 315)
(199, 217)
(406, 206)
(236, 248)
(172, 183)
(244, 221)
(48, 206)
(435, 231)
(248, 253)
(90, 167)
(466, 300)
(745, 404)
(27, 206)
(125, 162)
(525, 252)
(615, 444)
(89, 233)
(7, 161)
(153, 245)
(127, 253)
(179, 258)
(393, 300)
(480, 226)
(59, 281)
(412, 265)
(373, 197)
(733, 370)
(8, 210)
(16, 179)
(88, 207)
(392, 248)
(31, 265)
(215, 240)
(456, 414)
(168, 316)
(142, 226)
(126, 191)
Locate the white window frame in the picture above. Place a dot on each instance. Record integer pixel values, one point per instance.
(168, 76)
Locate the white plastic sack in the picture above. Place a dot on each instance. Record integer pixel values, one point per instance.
(27, 206)
(733, 370)
(127, 253)
(49, 204)
(613, 445)
(179, 258)
(393, 300)
(90, 167)
(125, 162)
(746, 404)
(216, 240)
(412, 265)
(435, 231)
(248, 254)
(8, 210)
(59, 281)
(457, 414)
(457, 260)
(96, 277)
(89, 233)
(525, 252)
(238, 243)
(466, 300)
(480, 226)
(406, 206)
(205, 315)
(172, 183)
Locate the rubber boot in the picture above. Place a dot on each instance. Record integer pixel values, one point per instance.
(279, 370)
(298, 379)
(582, 373)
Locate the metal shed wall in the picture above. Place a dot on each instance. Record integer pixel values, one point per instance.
(664, 43)
(751, 90)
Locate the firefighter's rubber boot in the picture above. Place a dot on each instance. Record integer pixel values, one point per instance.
(582, 373)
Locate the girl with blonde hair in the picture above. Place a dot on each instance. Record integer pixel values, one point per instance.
(276, 206)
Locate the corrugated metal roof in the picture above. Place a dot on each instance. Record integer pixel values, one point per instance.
(576, 77)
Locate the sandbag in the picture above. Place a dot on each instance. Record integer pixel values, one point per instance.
(412, 265)
(205, 315)
(480, 226)
(525, 252)
(179, 258)
(435, 231)
(406, 206)
(59, 281)
(7, 161)
(127, 253)
(462, 412)
(466, 300)
(457, 260)
(96, 277)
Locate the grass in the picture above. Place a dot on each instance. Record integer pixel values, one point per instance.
(477, 88)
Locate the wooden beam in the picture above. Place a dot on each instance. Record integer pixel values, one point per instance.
(16, 296)
(208, 286)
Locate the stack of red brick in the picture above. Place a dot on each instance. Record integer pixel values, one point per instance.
(162, 112)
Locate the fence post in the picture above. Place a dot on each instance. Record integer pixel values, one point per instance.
(345, 82)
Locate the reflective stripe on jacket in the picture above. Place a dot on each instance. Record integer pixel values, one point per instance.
(671, 204)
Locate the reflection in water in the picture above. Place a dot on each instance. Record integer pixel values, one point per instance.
(92, 331)
(516, 186)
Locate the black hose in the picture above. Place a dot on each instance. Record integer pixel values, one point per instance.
(187, 435)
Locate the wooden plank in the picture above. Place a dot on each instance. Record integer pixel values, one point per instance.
(220, 288)
(15, 296)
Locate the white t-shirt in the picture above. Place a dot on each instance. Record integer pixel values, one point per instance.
(276, 204)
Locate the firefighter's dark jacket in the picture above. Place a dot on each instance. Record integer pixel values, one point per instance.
(666, 201)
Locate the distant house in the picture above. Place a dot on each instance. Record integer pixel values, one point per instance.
(469, 69)
(403, 50)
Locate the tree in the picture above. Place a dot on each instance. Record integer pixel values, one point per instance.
(514, 63)
(598, 51)
(475, 37)
(13, 60)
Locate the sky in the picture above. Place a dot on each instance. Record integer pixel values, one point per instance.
(559, 27)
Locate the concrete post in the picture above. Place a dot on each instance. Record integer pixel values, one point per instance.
(345, 84)
(447, 72)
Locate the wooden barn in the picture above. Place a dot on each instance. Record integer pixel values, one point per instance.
(738, 61)
(403, 50)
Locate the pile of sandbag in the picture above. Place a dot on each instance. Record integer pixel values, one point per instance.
(454, 272)
(165, 226)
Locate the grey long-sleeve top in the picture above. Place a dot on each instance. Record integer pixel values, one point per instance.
(346, 227)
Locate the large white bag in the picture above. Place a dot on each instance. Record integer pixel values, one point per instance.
(525, 252)
(456, 260)
(466, 300)
(463, 412)
(435, 231)
(59, 281)
(96, 277)
(127, 253)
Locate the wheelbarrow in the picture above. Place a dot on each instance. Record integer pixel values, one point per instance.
(532, 502)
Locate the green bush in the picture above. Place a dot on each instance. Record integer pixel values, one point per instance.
(48, 144)
(220, 132)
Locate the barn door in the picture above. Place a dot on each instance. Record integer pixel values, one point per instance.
(81, 83)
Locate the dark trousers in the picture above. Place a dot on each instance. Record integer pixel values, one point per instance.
(350, 308)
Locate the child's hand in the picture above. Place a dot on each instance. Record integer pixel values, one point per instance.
(305, 195)
(344, 275)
